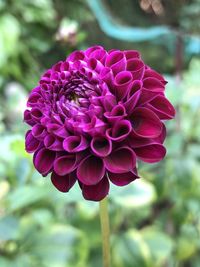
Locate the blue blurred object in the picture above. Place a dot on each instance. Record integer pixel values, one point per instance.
(137, 34)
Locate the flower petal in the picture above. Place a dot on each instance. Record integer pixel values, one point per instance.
(146, 123)
(31, 143)
(101, 146)
(116, 61)
(65, 164)
(53, 143)
(120, 130)
(122, 179)
(151, 153)
(136, 67)
(96, 192)
(75, 144)
(117, 113)
(63, 183)
(122, 83)
(162, 107)
(121, 160)
(90, 170)
(43, 160)
(153, 84)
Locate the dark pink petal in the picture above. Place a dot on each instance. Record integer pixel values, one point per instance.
(95, 127)
(151, 153)
(153, 84)
(116, 61)
(95, 65)
(76, 55)
(129, 54)
(122, 179)
(136, 67)
(57, 130)
(33, 99)
(63, 183)
(146, 96)
(106, 75)
(162, 107)
(43, 160)
(122, 83)
(39, 132)
(53, 143)
(132, 102)
(75, 144)
(138, 141)
(101, 146)
(109, 102)
(28, 118)
(146, 123)
(99, 54)
(117, 113)
(92, 49)
(121, 160)
(36, 114)
(96, 192)
(65, 164)
(31, 143)
(154, 74)
(90, 170)
(120, 130)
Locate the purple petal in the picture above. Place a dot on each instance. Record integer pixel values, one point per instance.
(101, 146)
(96, 192)
(36, 114)
(65, 164)
(43, 160)
(120, 130)
(39, 132)
(122, 179)
(122, 83)
(63, 183)
(109, 102)
(117, 113)
(132, 102)
(121, 160)
(53, 143)
(153, 84)
(154, 74)
(136, 67)
(146, 123)
(28, 118)
(33, 99)
(138, 141)
(75, 144)
(90, 170)
(129, 54)
(31, 143)
(106, 75)
(146, 96)
(116, 61)
(151, 153)
(162, 107)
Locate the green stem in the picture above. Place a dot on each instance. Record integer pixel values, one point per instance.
(105, 231)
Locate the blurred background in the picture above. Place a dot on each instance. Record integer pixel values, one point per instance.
(155, 221)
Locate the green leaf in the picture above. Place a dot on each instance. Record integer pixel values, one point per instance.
(160, 245)
(26, 195)
(9, 227)
(130, 250)
(135, 195)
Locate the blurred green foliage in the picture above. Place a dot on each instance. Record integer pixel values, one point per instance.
(155, 221)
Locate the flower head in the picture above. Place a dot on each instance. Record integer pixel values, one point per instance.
(92, 116)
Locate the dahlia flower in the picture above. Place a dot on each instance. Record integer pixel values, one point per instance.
(93, 116)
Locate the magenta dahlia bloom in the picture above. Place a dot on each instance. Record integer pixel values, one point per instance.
(92, 116)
